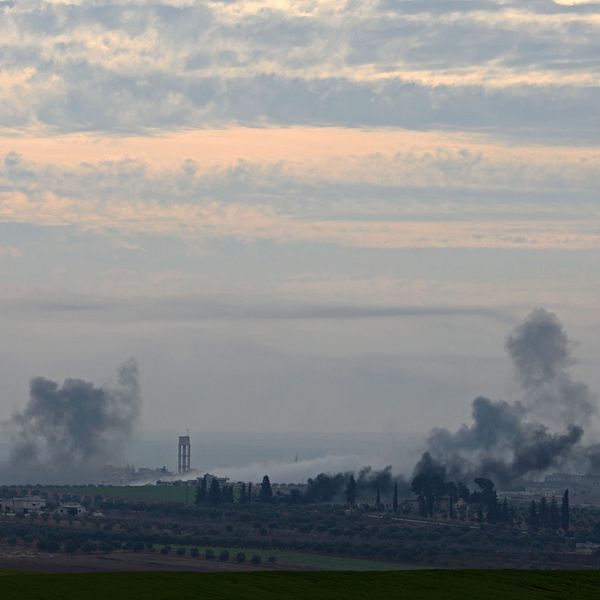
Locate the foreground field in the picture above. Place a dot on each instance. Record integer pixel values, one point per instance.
(416, 585)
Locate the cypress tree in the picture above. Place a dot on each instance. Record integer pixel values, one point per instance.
(533, 519)
(543, 512)
(214, 492)
(505, 512)
(266, 493)
(351, 491)
(395, 498)
(553, 514)
(201, 491)
(565, 516)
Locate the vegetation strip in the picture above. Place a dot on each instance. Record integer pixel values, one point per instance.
(416, 585)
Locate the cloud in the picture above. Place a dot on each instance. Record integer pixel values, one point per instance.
(422, 195)
(512, 68)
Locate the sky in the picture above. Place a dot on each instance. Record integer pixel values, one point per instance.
(301, 216)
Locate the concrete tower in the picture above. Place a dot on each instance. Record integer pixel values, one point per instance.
(184, 454)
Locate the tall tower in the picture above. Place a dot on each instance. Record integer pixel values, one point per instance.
(184, 453)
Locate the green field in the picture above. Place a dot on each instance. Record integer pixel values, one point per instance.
(142, 493)
(414, 585)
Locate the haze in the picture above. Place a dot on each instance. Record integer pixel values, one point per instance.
(297, 216)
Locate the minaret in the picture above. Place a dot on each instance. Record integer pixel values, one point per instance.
(184, 454)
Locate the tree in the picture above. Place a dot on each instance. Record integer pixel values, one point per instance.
(227, 494)
(422, 507)
(533, 519)
(249, 492)
(266, 493)
(242, 499)
(351, 491)
(214, 492)
(463, 491)
(565, 516)
(505, 515)
(480, 513)
(395, 498)
(378, 500)
(553, 514)
(543, 512)
(429, 487)
(201, 491)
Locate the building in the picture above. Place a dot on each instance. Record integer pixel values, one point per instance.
(71, 509)
(184, 454)
(23, 505)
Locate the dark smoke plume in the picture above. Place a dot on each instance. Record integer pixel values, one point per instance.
(67, 433)
(542, 430)
(327, 487)
(540, 351)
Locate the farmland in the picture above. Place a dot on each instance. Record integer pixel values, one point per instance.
(416, 585)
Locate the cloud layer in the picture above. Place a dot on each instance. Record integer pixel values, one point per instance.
(519, 69)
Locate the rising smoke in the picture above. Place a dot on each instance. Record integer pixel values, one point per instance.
(541, 430)
(67, 433)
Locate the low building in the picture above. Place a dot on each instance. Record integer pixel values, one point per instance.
(23, 505)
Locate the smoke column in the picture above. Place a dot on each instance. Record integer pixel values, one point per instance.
(68, 432)
(541, 430)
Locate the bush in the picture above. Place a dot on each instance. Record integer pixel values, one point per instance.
(256, 559)
(194, 553)
(224, 555)
(42, 545)
(209, 554)
(165, 550)
(89, 547)
(181, 551)
(12, 541)
(70, 546)
(240, 557)
(272, 560)
(138, 546)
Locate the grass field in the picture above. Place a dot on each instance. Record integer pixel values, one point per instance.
(143, 493)
(414, 585)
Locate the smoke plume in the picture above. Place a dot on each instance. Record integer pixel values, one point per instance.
(68, 432)
(541, 430)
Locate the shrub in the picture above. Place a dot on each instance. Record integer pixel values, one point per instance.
(256, 559)
(272, 560)
(165, 550)
(224, 555)
(89, 547)
(70, 546)
(194, 553)
(181, 551)
(138, 546)
(240, 557)
(209, 554)
(12, 541)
